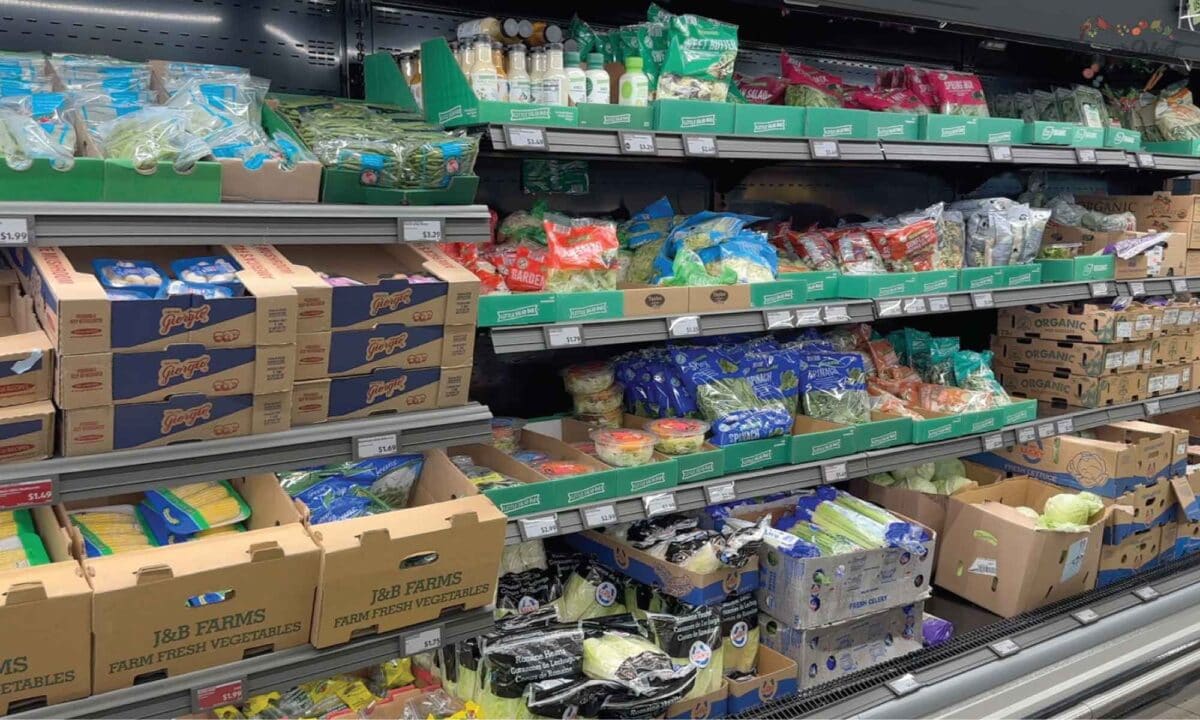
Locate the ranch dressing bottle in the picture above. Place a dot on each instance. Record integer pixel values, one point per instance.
(554, 82)
(519, 90)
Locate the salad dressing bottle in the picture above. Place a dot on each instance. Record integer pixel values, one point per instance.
(634, 85)
(576, 80)
(537, 73)
(501, 74)
(485, 82)
(519, 90)
(554, 82)
(414, 81)
(599, 87)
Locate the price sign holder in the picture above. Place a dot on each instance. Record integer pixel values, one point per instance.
(993, 442)
(1101, 289)
(1066, 425)
(915, 306)
(1005, 648)
(1086, 616)
(376, 446)
(903, 685)
(637, 143)
(423, 641)
(684, 326)
(30, 493)
(230, 692)
(1045, 430)
(1153, 408)
(1179, 285)
(538, 527)
(888, 308)
(1137, 288)
(599, 516)
(1146, 161)
(704, 146)
(521, 137)
(426, 230)
(824, 149)
(779, 319)
(1026, 434)
(834, 473)
(1000, 153)
(939, 304)
(836, 314)
(808, 316)
(16, 230)
(1146, 594)
(1086, 156)
(982, 300)
(720, 493)
(659, 504)
(558, 336)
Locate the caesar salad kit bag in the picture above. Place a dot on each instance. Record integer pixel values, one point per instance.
(397, 568)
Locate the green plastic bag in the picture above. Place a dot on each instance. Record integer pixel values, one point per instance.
(700, 58)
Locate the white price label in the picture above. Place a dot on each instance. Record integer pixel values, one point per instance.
(915, 306)
(1066, 425)
(1046, 430)
(638, 143)
(1179, 285)
(808, 316)
(1153, 408)
(1086, 156)
(993, 442)
(1137, 288)
(568, 336)
(720, 493)
(825, 149)
(659, 504)
(423, 641)
(904, 684)
(888, 308)
(939, 304)
(1086, 616)
(776, 319)
(1145, 160)
(1101, 289)
(1005, 647)
(375, 446)
(526, 138)
(1026, 434)
(982, 300)
(1000, 153)
(538, 527)
(1146, 594)
(423, 231)
(599, 516)
(700, 145)
(685, 326)
(15, 231)
(834, 473)
(836, 314)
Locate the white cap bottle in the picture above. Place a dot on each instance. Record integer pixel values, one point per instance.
(599, 89)
(554, 82)
(519, 89)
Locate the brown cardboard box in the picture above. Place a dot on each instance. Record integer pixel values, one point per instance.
(775, 678)
(1081, 322)
(404, 567)
(27, 432)
(995, 557)
(1169, 380)
(1192, 261)
(1161, 207)
(1170, 350)
(144, 625)
(1069, 358)
(27, 360)
(1137, 510)
(703, 707)
(489, 457)
(46, 645)
(718, 297)
(382, 391)
(1132, 555)
(354, 352)
(1073, 390)
(1163, 448)
(649, 300)
(1173, 259)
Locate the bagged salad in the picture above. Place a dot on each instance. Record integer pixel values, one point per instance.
(809, 86)
(699, 60)
(581, 254)
(741, 393)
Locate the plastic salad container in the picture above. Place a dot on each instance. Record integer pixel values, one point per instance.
(622, 447)
(604, 402)
(561, 468)
(588, 378)
(602, 420)
(678, 436)
(506, 433)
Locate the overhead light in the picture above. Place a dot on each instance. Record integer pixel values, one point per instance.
(92, 9)
(993, 45)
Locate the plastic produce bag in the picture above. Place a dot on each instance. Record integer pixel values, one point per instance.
(958, 93)
(581, 254)
(568, 698)
(856, 253)
(699, 60)
(763, 90)
(973, 371)
(739, 634)
(691, 636)
(1175, 114)
(868, 525)
(591, 591)
(749, 257)
(635, 663)
(650, 224)
(110, 529)
(707, 229)
(187, 509)
(727, 396)
(833, 387)
(809, 86)
(513, 660)
(913, 246)
(952, 400)
(149, 136)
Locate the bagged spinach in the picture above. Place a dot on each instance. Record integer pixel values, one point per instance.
(738, 408)
(654, 387)
(699, 61)
(834, 387)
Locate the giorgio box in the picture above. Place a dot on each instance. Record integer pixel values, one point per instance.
(353, 352)
(386, 390)
(27, 432)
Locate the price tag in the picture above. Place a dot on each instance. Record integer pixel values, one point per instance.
(1146, 594)
(232, 692)
(524, 138)
(15, 231)
(1046, 430)
(637, 143)
(699, 146)
(836, 314)
(423, 231)
(720, 493)
(685, 326)
(808, 316)
(833, 473)
(1066, 425)
(824, 149)
(939, 304)
(659, 504)
(1153, 408)
(375, 446)
(1086, 616)
(1145, 160)
(1101, 289)
(1179, 285)
(1137, 288)
(904, 684)
(538, 527)
(1086, 156)
(564, 336)
(1005, 647)
(599, 516)
(993, 442)
(915, 306)
(1000, 153)
(423, 641)
(1026, 434)
(27, 494)
(982, 300)
(888, 308)
(776, 319)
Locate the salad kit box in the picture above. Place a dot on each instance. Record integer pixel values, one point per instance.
(950, 128)
(1001, 131)
(884, 431)
(1136, 553)
(257, 589)
(27, 432)
(136, 377)
(830, 652)
(836, 123)
(46, 646)
(614, 117)
(775, 680)
(1079, 269)
(756, 454)
(181, 418)
(395, 569)
(988, 545)
(768, 120)
(382, 391)
(814, 440)
(353, 352)
(80, 318)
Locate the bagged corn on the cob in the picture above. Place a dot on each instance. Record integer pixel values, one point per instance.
(22, 550)
(16, 521)
(162, 535)
(189, 509)
(110, 529)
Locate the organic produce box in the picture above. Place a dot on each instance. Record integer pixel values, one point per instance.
(45, 649)
(774, 679)
(1136, 553)
(1067, 358)
(995, 555)
(1151, 211)
(354, 352)
(1167, 381)
(382, 391)
(166, 611)
(830, 652)
(184, 369)
(395, 569)
(27, 432)
(1078, 322)
(81, 317)
(1073, 390)
(339, 286)
(181, 418)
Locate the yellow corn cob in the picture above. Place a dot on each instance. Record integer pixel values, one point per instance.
(224, 529)
(13, 559)
(200, 493)
(221, 512)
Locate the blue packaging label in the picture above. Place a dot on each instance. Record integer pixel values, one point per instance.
(141, 424)
(353, 394)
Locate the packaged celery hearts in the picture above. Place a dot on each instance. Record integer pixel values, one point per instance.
(700, 57)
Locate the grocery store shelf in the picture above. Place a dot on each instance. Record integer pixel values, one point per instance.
(624, 331)
(65, 223)
(787, 478)
(173, 697)
(77, 478)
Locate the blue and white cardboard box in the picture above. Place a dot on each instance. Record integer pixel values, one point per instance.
(1137, 553)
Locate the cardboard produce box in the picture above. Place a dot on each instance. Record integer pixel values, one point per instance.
(26, 355)
(138, 377)
(832, 651)
(1063, 357)
(536, 493)
(355, 352)
(994, 556)
(1134, 554)
(775, 679)
(1081, 322)
(709, 705)
(1164, 449)
(1151, 211)
(46, 646)
(80, 319)
(660, 474)
(145, 622)
(396, 569)
(182, 418)
(1169, 380)
(1109, 469)
(1064, 390)
(451, 299)
(1192, 261)
(1139, 510)
(27, 432)
(383, 391)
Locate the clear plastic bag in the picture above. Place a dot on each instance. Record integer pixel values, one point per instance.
(856, 254)
(973, 371)
(27, 140)
(833, 387)
(149, 136)
(952, 239)
(218, 103)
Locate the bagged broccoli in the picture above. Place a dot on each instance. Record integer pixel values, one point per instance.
(833, 387)
(739, 634)
(581, 254)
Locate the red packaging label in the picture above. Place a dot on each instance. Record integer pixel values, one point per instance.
(26, 494)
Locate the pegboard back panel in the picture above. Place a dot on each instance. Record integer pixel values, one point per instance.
(298, 44)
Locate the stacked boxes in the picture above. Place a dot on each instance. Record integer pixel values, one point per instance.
(150, 372)
(26, 379)
(1161, 211)
(380, 329)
